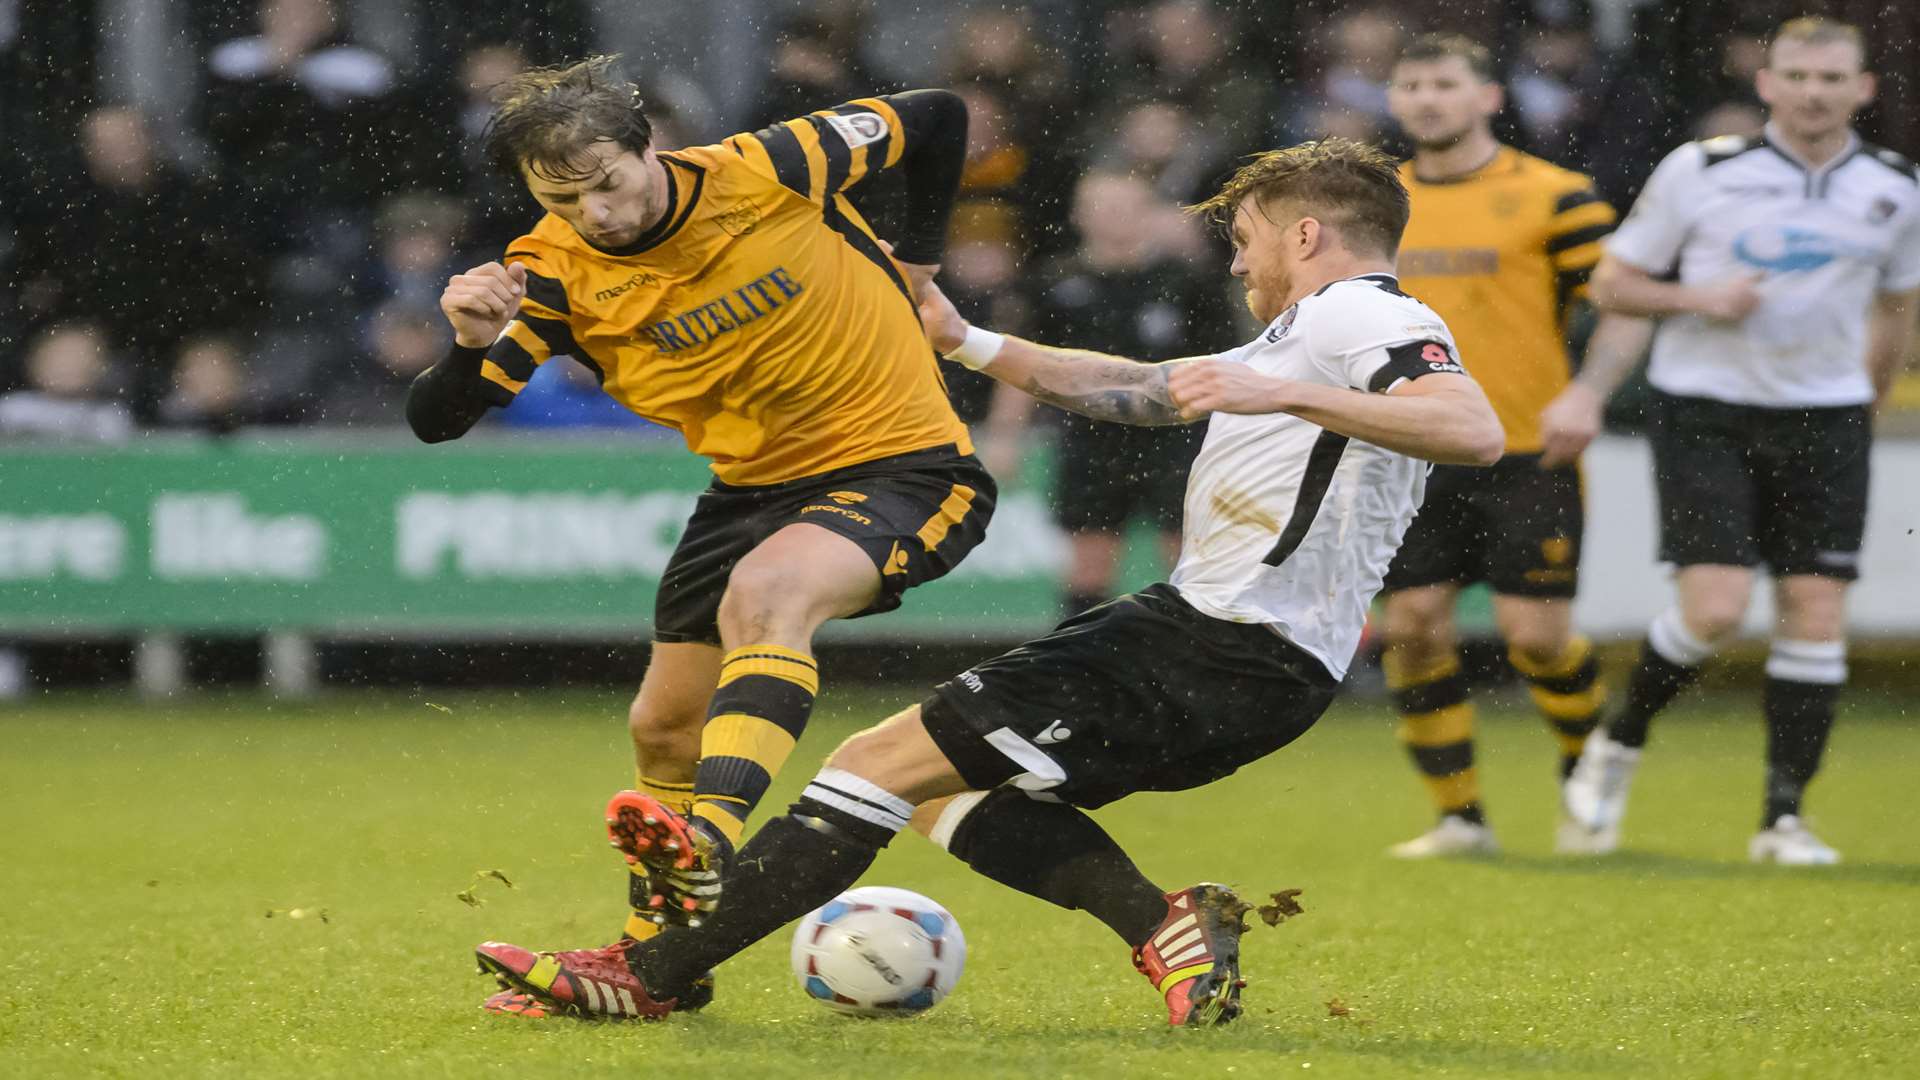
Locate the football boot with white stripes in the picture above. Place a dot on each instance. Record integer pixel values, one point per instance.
(1193, 957)
(684, 857)
(513, 1002)
(582, 982)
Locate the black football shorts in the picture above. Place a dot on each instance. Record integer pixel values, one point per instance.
(1142, 693)
(1514, 526)
(1742, 485)
(915, 515)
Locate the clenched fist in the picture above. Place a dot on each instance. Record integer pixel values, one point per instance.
(1200, 387)
(480, 302)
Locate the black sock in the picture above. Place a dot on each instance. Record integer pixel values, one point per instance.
(1057, 853)
(1075, 602)
(794, 864)
(1656, 680)
(1799, 717)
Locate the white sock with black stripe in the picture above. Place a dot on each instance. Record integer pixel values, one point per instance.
(860, 799)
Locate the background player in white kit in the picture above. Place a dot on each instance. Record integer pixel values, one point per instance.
(1312, 468)
(1798, 259)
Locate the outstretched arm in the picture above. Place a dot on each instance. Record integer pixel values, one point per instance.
(1442, 418)
(1090, 383)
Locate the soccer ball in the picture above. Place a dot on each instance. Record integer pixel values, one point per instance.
(877, 951)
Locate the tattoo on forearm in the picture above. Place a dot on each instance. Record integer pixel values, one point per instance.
(1105, 388)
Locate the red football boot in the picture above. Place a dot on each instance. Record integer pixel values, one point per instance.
(583, 982)
(1193, 957)
(517, 1003)
(684, 857)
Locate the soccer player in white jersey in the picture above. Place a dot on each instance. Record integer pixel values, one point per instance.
(1315, 460)
(1798, 272)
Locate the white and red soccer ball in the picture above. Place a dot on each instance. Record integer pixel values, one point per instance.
(877, 951)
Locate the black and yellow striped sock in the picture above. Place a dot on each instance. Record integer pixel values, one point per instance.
(677, 797)
(1436, 726)
(1568, 693)
(761, 707)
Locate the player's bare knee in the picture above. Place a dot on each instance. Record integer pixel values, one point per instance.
(871, 754)
(1712, 618)
(1539, 646)
(1812, 611)
(764, 601)
(901, 757)
(664, 734)
(1421, 634)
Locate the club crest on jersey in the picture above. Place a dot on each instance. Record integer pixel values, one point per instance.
(1283, 324)
(858, 129)
(738, 219)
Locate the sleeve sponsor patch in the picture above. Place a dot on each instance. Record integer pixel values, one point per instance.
(1413, 360)
(858, 129)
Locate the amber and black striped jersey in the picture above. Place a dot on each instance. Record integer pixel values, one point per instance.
(1500, 253)
(760, 317)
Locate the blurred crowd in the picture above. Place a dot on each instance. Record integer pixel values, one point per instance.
(275, 256)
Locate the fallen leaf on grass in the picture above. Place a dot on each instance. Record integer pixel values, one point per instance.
(1285, 906)
(470, 895)
(1336, 1007)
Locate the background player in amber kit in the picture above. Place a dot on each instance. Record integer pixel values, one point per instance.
(1500, 244)
(732, 292)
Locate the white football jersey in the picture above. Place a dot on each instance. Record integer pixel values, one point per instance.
(1826, 240)
(1287, 523)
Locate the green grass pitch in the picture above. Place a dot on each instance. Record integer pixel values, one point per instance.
(143, 849)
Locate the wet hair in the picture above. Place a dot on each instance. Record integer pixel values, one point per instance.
(1430, 47)
(1349, 185)
(546, 119)
(1814, 30)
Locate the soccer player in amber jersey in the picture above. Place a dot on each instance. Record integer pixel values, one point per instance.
(734, 294)
(1500, 243)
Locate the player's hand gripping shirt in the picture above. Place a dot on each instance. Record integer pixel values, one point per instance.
(760, 318)
(1501, 253)
(1290, 524)
(1825, 240)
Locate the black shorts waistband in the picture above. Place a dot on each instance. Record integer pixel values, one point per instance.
(911, 461)
(1735, 410)
(1260, 643)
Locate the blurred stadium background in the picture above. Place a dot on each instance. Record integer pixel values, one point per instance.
(224, 225)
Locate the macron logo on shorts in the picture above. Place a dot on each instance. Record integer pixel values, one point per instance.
(1053, 733)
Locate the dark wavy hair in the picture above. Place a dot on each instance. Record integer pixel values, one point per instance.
(544, 119)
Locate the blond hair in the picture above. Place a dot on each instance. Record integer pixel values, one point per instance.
(1349, 185)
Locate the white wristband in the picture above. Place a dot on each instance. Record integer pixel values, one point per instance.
(978, 348)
